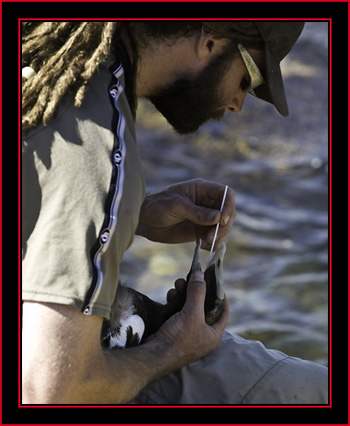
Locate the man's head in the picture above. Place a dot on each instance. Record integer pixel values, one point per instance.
(65, 55)
(191, 100)
(194, 98)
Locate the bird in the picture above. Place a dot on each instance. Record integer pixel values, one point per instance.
(134, 316)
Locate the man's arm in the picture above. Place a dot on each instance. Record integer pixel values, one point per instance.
(63, 362)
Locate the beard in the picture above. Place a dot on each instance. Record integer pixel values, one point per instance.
(189, 102)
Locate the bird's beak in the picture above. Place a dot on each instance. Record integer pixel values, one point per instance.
(214, 272)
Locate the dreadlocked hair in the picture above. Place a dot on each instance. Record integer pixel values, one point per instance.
(64, 56)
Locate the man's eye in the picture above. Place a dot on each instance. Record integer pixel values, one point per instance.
(245, 84)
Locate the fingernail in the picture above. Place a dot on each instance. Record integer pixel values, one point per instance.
(198, 267)
(225, 220)
(197, 275)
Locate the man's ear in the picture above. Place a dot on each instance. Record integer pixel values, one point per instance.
(208, 46)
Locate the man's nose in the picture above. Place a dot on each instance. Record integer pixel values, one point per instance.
(236, 103)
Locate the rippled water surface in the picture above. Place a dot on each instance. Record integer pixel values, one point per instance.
(276, 264)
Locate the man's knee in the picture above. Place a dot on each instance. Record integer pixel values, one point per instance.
(308, 381)
(292, 381)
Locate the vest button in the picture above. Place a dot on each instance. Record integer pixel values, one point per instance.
(117, 157)
(104, 237)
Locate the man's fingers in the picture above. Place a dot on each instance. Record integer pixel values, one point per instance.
(199, 215)
(196, 291)
(229, 210)
(180, 284)
(171, 294)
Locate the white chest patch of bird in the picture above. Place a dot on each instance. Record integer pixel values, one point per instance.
(130, 328)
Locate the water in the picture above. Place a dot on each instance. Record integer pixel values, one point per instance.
(276, 264)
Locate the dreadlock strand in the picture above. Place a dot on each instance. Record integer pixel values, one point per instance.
(60, 69)
(64, 55)
(38, 31)
(63, 83)
(32, 89)
(79, 97)
(34, 115)
(102, 51)
(38, 46)
(50, 71)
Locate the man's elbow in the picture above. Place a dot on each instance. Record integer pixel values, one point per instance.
(39, 388)
(67, 387)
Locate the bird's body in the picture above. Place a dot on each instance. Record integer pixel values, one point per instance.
(135, 316)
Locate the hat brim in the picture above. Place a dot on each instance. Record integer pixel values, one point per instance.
(273, 90)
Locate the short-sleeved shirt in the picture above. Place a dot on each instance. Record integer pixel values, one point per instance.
(82, 189)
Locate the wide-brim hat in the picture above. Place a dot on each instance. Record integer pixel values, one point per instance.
(279, 38)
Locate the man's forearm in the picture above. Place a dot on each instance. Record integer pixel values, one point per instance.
(114, 378)
(130, 370)
(63, 362)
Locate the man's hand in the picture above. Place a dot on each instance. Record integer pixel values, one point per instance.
(186, 334)
(187, 211)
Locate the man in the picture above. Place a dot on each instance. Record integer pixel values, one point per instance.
(83, 200)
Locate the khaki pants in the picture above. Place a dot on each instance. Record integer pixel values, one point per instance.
(241, 372)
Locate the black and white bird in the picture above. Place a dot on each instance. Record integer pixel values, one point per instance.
(135, 316)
